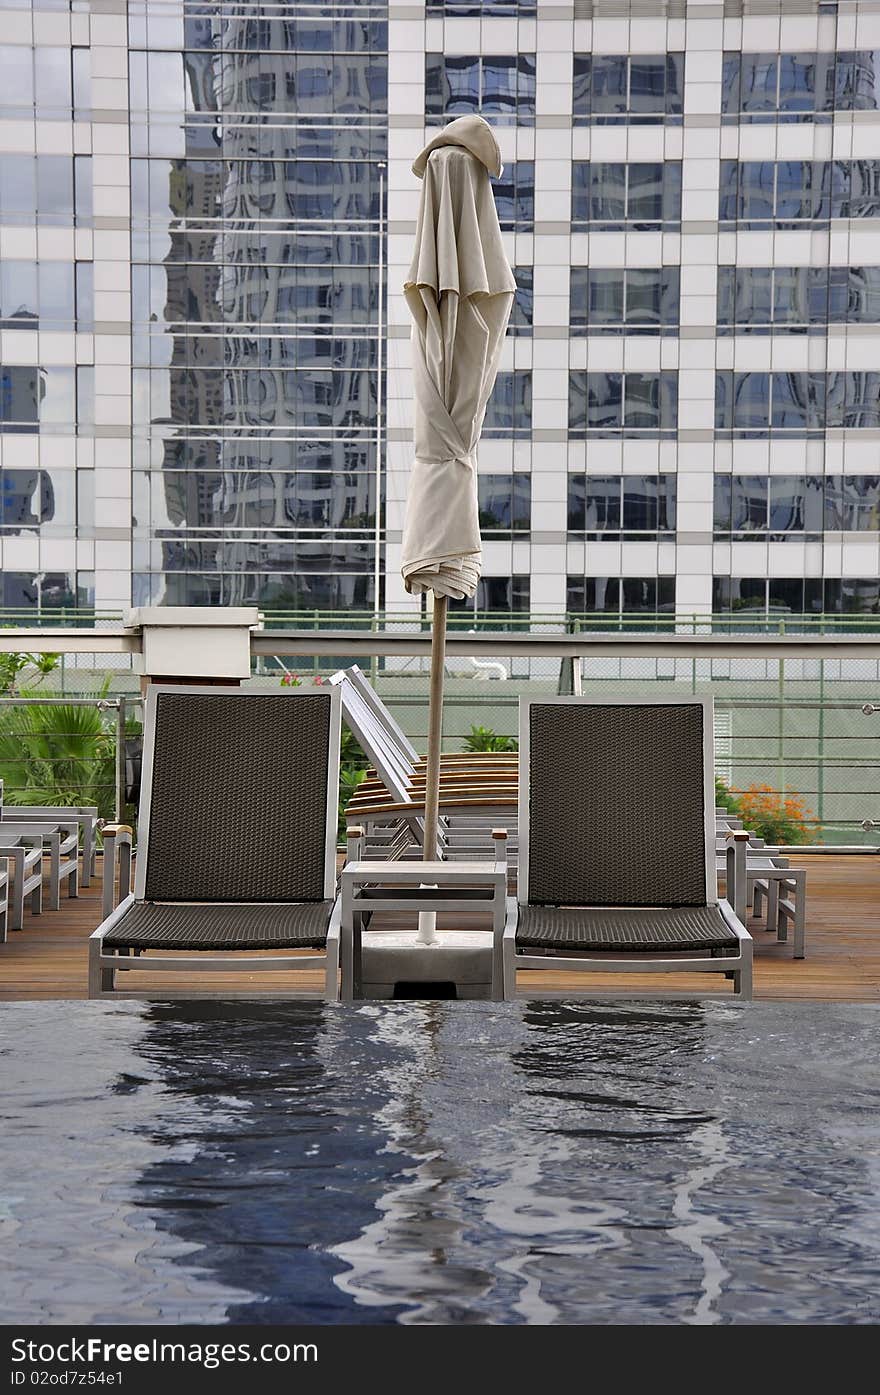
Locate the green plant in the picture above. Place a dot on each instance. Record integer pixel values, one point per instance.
(775, 817)
(58, 754)
(725, 797)
(11, 665)
(352, 769)
(485, 739)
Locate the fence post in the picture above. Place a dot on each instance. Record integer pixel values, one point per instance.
(119, 800)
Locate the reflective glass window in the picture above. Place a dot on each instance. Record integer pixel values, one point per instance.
(515, 196)
(743, 594)
(649, 503)
(609, 84)
(614, 596)
(796, 504)
(19, 296)
(639, 89)
(594, 504)
(509, 412)
(500, 87)
(520, 322)
(858, 81)
(16, 79)
(638, 300)
(597, 299)
(642, 404)
(862, 408)
(644, 195)
(759, 82)
(853, 595)
(852, 503)
(504, 502)
(862, 293)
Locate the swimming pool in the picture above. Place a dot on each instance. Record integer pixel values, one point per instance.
(439, 1162)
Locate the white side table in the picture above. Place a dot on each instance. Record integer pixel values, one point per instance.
(375, 962)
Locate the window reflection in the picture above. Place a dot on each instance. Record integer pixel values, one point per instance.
(611, 196)
(505, 502)
(607, 507)
(761, 404)
(796, 299)
(255, 299)
(639, 89)
(515, 196)
(617, 596)
(509, 412)
(520, 322)
(798, 86)
(500, 88)
(40, 188)
(631, 404)
(787, 193)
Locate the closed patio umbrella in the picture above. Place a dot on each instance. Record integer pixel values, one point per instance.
(460, 292)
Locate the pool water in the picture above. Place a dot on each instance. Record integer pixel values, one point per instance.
(439, 1162)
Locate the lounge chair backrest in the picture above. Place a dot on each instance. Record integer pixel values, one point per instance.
(239, 795)
(616, 803)
(395, 733)
(371, 730)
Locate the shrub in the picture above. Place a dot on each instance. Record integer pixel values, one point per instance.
(12, 665)
(352, 769)
(775, 817)
(485, 739)
(725, 797)
(58, 755)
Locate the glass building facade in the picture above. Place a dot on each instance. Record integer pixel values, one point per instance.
(258, 140)
(207, 213)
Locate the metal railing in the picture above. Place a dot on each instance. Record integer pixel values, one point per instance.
(47, 762)
(793, 709)
(744, 621)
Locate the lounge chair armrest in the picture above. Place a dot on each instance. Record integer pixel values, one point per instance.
(499, 838)
(117, 853)
(354, 846)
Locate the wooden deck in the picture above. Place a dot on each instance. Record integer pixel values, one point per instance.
(47, 958)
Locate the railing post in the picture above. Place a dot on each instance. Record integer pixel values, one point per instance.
(119, 798)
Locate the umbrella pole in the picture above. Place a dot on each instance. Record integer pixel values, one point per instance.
(430, 851)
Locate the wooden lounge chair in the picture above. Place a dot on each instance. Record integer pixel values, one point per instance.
(236, 840)
(23, 853)
(478, 790)
(85, 816)
(617, 844)
(755, 875)
(4, 899)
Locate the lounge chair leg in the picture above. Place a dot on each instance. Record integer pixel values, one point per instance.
(331, 977)
(73, 882)
(508, 972)
(742, 979)
(100, 979)
(800, 920)
(774, 920)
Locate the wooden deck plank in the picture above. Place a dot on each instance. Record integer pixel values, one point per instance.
(47, 958)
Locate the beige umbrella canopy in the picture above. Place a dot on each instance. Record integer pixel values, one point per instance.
(460, 293)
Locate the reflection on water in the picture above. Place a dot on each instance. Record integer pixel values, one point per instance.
(439, 1162)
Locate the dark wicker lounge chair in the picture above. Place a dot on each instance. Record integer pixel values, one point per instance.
(236, 840)
(617, 844)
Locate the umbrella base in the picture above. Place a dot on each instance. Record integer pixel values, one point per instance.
(395, 964)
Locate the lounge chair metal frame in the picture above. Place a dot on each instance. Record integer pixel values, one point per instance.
(472, 799)
(85, 816)
(25, 852)
(735, 964)
(105, 963)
